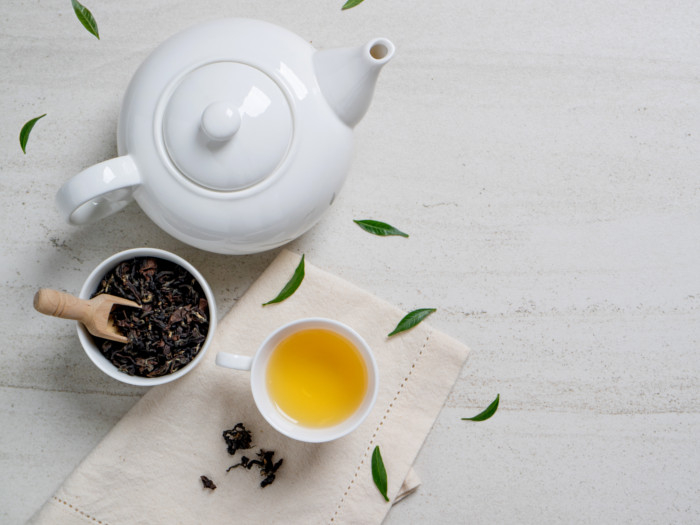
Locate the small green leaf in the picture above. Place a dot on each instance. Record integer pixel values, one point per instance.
(379, 228)
(490, 410)
(26, 130)
(86, 18)
(379, 472)
(412, 319)
(351, 3)
(292, 285)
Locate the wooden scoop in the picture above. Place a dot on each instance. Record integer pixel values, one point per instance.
(93, 313)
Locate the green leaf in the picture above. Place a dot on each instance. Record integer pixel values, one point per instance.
(26, 130)
(379, 228)
(412, 319)
(86, 18)
(379, 472)
(490, 410)
(351, 3)
(292, 285)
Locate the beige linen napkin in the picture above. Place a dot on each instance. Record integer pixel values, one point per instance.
(148, 468)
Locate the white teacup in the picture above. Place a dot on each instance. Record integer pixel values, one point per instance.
(313, 379)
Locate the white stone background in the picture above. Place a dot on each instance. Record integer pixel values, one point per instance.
(543, 156)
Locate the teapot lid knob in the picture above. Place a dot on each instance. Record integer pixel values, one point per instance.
(221, 120)
(226, 126)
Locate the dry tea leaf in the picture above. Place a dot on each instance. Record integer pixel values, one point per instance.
(207, 483)
(237, 438)
(268, 468)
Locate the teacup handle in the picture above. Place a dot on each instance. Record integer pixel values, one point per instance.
(237, 362)
(98, 191)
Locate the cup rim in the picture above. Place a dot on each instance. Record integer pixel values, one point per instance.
(299, 432)
(90, 285)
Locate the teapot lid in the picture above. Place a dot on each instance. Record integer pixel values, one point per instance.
(227, 126)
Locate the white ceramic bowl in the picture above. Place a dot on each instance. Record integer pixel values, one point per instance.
(90, 287)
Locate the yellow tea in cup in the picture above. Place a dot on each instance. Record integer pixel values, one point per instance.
(316, 378)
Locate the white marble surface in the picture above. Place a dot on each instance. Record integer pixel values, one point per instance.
(543, 156)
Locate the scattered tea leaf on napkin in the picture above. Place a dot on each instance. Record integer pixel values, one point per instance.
(86, 18)
(411, 319)
(379, 472)
(26, 130)
(379, 228)
(267, 466)
(490, 410)
(207, 483)
(292, 285)
(239, 437)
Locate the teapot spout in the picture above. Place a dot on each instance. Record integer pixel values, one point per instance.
(347, 76)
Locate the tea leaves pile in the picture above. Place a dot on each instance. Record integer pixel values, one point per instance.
(168, 331)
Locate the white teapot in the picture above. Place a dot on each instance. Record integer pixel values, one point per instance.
(234, 136)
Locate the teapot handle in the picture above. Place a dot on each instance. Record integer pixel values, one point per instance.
(98, 191)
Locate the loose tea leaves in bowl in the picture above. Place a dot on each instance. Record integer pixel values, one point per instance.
(169, 329)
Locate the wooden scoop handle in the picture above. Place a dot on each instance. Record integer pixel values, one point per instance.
(61, 304)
